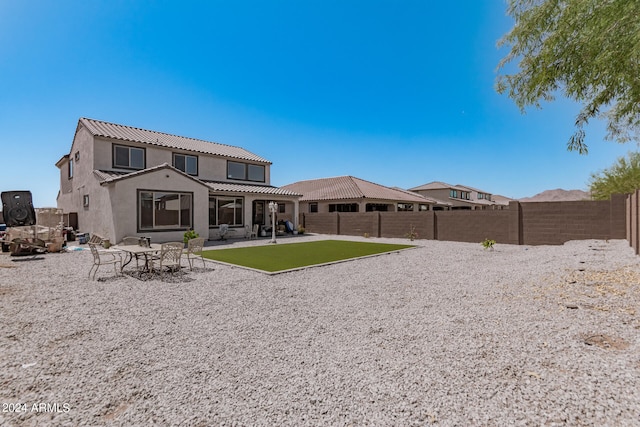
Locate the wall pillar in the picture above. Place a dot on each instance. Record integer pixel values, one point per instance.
(296, 213)
(515, 223)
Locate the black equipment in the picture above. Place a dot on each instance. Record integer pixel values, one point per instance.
(17, 208)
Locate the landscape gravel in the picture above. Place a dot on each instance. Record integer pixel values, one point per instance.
(446, 334)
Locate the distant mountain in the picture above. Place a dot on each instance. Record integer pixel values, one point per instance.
(558, 195)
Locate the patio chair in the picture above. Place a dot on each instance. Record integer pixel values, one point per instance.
(103, 258)
(194, 248)
(95, 238)
(170, 256)
(251, 233)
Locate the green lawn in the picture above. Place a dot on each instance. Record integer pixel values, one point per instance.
(273, 258)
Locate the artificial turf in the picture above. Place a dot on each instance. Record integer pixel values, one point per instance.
(273, 258)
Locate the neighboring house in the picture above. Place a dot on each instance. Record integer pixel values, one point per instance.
(459, 196)
(501, 201)
(121, 181)
(351, 194)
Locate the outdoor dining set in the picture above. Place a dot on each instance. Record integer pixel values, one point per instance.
(150, 258)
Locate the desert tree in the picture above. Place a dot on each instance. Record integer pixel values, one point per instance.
(585, 50)
(622, 177)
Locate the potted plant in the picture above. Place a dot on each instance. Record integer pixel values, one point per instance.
(188, 235)
(300, 229)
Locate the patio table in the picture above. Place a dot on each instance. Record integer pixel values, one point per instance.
(139, 252)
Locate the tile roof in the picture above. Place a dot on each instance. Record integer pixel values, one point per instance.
(501, 200)
(472, 189)
(427, 198)
(106, 177)
(349, 187)
(436, 185)
(128, 133)
(231, 187)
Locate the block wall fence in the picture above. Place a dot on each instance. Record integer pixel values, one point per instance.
(526, 223)
(633, 220)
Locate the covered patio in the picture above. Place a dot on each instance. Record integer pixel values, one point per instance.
(245, 205)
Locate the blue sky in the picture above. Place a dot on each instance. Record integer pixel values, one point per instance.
(400, 93)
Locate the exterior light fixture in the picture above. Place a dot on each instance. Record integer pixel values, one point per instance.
(273, 208)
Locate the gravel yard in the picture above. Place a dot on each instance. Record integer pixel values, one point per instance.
(445, 334)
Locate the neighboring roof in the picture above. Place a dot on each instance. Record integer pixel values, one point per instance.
(482, 201)
(349, 187)
(466, 187)
(128, 133)
(107, 177)
(437, 185)
(501, 200)
(428, 199)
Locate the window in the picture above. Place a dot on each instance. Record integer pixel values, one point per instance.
(423, 208)
(186, 163)
(376, 207)
(256, 173)
(77, 156)
(128, 157)
(281, 208)
(405, 207)
(313, 207)
(344, 207)
(245, 171)
(164, 211)
(85, 200)
(226, 210)
(464, 195)
(236, 170)
(70, 168)
(453, 193)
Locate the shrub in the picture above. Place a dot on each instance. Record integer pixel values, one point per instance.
(412, 234)
(488, 243)
(189, 234)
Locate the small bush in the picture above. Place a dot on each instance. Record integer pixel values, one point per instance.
(412, 234)
(488, 243)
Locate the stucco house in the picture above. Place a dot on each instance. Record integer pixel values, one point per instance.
(351, 194)
(121, 181)
(460, 196)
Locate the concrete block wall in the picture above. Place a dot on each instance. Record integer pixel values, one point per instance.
(632, 226)
(322, 223)
(475, 226)
(360, 224)
(554, 223)
(530, 223)
(399, 224)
